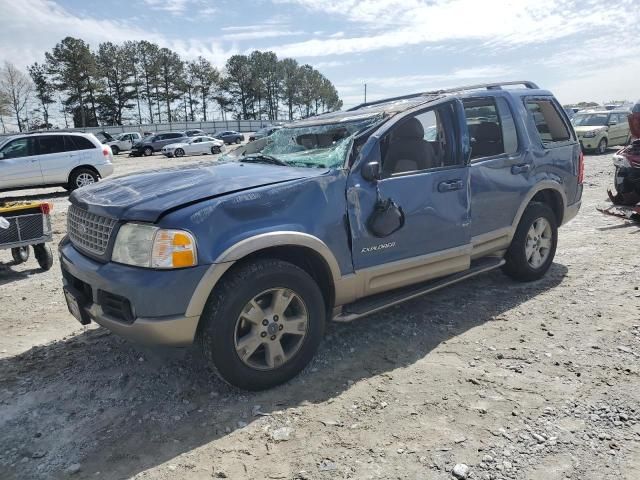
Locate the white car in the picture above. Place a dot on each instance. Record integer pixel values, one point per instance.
(123, 142)
(69, 160)
(193, 146)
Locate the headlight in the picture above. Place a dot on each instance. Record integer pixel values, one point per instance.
(152, 247)
(590, 134)
(621, 162)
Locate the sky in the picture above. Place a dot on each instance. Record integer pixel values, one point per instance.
(582, 50)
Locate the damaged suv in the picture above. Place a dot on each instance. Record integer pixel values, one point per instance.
(332, 217)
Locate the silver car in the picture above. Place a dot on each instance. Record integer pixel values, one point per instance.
(193, 146)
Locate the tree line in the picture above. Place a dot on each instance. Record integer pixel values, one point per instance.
(140, 82)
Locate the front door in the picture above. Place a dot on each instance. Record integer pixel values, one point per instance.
(19, 164)
(425, 175)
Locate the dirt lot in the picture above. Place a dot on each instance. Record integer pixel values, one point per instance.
(516, 381)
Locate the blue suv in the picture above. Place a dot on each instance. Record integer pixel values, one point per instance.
(331, 217)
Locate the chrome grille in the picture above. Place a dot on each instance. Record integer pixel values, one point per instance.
(89, 231)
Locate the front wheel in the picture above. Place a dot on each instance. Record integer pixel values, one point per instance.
(148, 151)
(179, 152)
(215, 150)
(238, 141)
(602, 146)
(534, 244)
(20, 254)
(115, 150)
(43, 255)
(263, 324)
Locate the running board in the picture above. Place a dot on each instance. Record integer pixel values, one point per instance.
(375, 303)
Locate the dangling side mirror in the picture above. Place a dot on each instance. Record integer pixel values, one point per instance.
(371, 171)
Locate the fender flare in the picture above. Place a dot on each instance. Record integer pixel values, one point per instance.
(251, 245)
(543, 185)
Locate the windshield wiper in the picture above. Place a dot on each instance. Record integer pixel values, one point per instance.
(261, 158)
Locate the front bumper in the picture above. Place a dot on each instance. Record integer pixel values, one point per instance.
(627, 179)
(143, 305)
(590, 143)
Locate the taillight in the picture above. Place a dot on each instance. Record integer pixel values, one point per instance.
(581, 169)
(45, 208)
(106, 151)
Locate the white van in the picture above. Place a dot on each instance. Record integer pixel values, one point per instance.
(69, 160)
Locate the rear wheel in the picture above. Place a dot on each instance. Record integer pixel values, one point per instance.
(534, 244)
(43, 256)
(115, 150)
(179, 152)
(20, 254)
(262, 324)
(602, 146)
(81, 178)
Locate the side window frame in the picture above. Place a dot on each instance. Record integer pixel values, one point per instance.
(31, 147)
(454, 137)
(561, 113)
(495, 100)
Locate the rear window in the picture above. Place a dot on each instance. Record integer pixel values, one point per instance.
(548, 120)
(492, 129)
(78, 143)
(51, 144)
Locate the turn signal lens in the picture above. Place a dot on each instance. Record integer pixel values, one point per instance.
(173, 249)
(581, 169)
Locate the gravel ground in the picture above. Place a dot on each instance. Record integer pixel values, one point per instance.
(488, 379)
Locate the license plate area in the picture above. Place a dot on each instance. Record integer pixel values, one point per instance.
(76, 306)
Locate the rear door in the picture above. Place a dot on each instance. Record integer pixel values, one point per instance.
(58, 156)
(500, 169)
(20, 165)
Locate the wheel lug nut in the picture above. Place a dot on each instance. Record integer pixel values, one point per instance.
(275, 318)
(273, 337)
(265, 322)
(280, 327)
(263, 334)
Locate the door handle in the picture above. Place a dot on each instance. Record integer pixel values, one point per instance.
(521, 168)
(450, 185)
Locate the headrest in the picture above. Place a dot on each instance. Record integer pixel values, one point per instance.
(488, 131)
(411, 129)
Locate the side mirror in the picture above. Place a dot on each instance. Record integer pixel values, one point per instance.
(371, 171)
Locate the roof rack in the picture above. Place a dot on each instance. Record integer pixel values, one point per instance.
(489, 86)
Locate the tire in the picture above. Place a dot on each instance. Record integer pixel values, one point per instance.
(147, 152)
(178, 152)
(115, 150)
(43, 256)
(215, 150)
(601, 149)
(238, 141)
(20, 255)
(519, 264)
(82, 177)
(222, 323)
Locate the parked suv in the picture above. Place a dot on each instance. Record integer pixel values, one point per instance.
(598, 129)
(124, 142)
(332, 217)
(70, 160)
(155, 142)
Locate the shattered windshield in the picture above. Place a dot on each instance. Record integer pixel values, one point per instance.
(320, 146)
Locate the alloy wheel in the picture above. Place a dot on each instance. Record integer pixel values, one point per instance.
(84, 179)
(271, 329)
(538, 243)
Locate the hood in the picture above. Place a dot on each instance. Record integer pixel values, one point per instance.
(588, 128)
(146, 196)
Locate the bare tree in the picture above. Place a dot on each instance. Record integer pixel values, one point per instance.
(17, 86)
